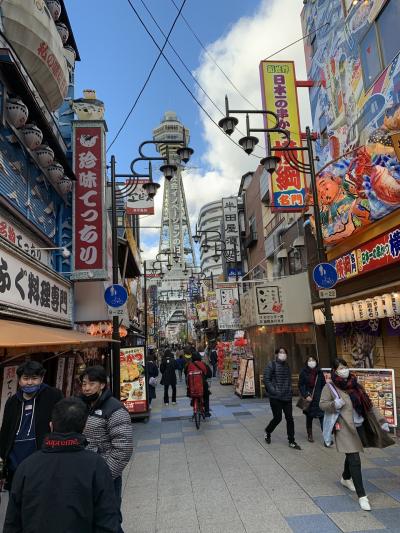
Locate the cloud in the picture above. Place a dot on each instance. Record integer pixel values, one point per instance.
(275, 24)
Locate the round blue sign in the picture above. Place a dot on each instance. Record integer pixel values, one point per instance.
(325, 275)
(115, 296)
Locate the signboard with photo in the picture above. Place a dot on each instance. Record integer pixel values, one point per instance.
(133, 380)
(379, 384)
(228, 307)
(245, 385)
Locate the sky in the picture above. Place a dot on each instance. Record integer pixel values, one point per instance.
(117, 55)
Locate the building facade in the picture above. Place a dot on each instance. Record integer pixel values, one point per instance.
(355, 100)
(210, 220)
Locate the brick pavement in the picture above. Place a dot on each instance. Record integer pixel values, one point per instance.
(225, 478)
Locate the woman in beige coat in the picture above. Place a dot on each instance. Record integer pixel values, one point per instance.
(359, 425)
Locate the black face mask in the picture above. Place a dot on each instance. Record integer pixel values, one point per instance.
(91, 398)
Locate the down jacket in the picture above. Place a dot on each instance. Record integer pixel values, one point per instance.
(278, 381)
(108, 431)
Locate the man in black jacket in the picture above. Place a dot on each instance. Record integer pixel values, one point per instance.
(278, 384)
(63, 488)
(26, 417)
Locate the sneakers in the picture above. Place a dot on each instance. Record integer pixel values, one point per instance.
(173, 403)
(364, 503)
(267, 438)
(348, 483)
(208, 415)
(294, 445)
(166, 403)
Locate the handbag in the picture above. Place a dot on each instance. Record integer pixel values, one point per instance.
(330, 420)
(303, 403)
(153, 381)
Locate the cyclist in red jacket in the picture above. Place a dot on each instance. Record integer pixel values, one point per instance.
(197, 364)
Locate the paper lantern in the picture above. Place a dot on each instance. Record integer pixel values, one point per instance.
(335, 314)
(370, 309)
(319, 317)
(349, 313)
(388, 305)
(396, 302)
(357, 309)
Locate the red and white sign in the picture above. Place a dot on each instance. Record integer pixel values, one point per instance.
(133, 379)
(139, 202)
(89, 202)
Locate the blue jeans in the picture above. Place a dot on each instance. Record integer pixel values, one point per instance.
(118, 494)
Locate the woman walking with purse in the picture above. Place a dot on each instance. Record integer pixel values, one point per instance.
(359, 425)
(311, 383)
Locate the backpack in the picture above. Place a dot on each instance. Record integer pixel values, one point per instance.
(195, 382)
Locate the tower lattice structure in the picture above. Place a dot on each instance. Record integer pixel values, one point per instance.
(175, 234)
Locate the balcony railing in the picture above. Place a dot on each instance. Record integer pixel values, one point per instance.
(274, 223)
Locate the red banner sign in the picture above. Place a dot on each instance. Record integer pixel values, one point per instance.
(88, 166)
(376, 253)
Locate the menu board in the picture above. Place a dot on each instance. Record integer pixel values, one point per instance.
(379, 384)
(133, 380)
(245, 383)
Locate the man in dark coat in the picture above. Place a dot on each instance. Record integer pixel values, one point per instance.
(213, 361)
(278, 384)
(63, 488)
(26, 417)
(168, 371)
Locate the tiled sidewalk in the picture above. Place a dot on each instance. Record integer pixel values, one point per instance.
(224, 478)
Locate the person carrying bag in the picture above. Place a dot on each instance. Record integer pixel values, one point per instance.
(311, 383)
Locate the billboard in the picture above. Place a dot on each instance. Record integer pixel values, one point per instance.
(228, 306)
(139, 202)
(279, 95)
(133, 379)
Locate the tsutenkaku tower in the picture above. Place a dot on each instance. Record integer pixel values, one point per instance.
(175, 235)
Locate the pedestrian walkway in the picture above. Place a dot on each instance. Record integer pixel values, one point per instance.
(225, 478)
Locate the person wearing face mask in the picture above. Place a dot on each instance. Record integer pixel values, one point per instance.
(108, 429)
(26, 418)
(278, 384)
(311, 383)
(358, 425)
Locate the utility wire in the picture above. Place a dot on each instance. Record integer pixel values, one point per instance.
(161, 50)
(180, 78)
(189, 71)
(298, 40)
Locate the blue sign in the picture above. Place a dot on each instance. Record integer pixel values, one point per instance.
(232, 273)
(325, 275)
(115, 296)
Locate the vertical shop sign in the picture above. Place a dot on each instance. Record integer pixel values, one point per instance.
(212, 313)
(9, 386)
(139, 202)
(70, 375)
(231, 228)
(89, 235)
(279, 95)
(133, 380)
(60, 373)
(228, 307)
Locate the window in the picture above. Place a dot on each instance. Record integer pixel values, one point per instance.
(381, 43)
(295, 264)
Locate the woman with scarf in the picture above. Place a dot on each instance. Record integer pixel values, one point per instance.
(358, 425)
(311, 383)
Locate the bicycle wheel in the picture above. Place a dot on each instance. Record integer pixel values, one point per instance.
(196, 413)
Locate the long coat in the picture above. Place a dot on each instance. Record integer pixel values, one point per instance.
(305, 390)
(168, 367)
(346, 438)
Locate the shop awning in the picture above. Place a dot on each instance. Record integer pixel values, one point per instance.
(22, 335)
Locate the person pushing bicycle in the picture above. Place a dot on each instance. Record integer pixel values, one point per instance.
(195, 365)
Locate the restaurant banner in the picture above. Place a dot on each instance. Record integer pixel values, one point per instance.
(139, 202)
(212, 310)
(228, 307)
(89, 215)
(202, 311)
(376, 253)
(379, 384)
(133, 379)
(279, 94)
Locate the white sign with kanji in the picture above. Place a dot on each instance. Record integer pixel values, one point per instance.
(139, 202)
(9, 388)
(25, 286)
(231, 228)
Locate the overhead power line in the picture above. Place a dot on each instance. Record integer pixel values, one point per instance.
(180, 78)
(161, 50)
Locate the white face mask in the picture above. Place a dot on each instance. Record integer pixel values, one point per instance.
(282, 356)
(312, 364)
(343, 372)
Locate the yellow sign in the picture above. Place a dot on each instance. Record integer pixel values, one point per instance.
(279, 94)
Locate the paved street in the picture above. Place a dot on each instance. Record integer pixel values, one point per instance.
(224, 478)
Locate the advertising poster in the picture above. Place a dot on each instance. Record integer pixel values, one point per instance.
(202, 311)
(212, 308)
(139, 202)
(279, 94)
(245, 383)
(379, 383)
(228, 307)
(133, 380)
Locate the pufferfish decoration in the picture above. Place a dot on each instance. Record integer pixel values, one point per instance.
(88, 107)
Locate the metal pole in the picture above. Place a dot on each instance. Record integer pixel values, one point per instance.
(145, 333)
(115, 331)
(329, 325)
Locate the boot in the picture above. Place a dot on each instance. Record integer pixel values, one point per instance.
(310, 435)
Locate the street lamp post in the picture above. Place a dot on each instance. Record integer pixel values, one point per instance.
(270, 163)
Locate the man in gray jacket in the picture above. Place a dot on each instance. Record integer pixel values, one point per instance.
(108, 428)
(278, 384)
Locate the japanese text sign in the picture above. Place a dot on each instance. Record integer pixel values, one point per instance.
(228, 306)
(9, 388)
(376, 253)
(89, 201)
(279, 95)
(25, 286)
(139, 202)
(231, 228)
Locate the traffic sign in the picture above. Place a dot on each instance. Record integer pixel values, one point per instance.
(115, 295)
(325, 294)
(325, 275)
(232, 273)
(115, 311)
